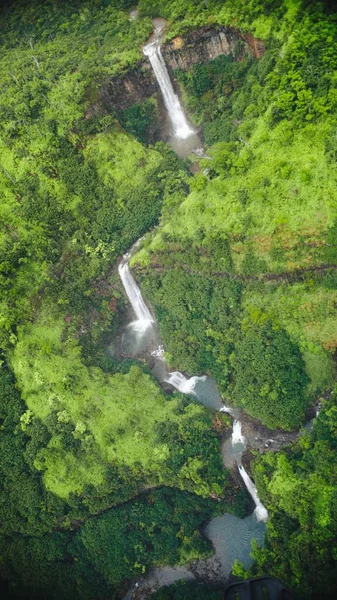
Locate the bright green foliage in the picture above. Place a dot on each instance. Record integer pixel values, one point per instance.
(269, 191)
(76, 192)
(120, 420)
(299, 488)
(269, 377)
(241, 272)
(160, 527)
(55, 234)
(80, 218)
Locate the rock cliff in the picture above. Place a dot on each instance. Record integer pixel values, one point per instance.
(130, 88)
(200, 46)
(207, 43)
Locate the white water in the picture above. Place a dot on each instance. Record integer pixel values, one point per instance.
(144, 317)
(221, 529)
(226, 409)
(158, 353)
(145, 320)
(261, 512)
(175, 111)
(177, 379)
(182, 384)
(237, 437)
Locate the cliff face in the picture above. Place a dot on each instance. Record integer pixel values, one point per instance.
(132, 87)
(207, 43)
(196, 47)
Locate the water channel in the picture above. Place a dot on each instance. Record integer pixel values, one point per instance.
(231, 537)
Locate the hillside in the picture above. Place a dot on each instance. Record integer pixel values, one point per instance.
(104, 474)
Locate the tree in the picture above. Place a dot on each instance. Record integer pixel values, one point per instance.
(270, 377)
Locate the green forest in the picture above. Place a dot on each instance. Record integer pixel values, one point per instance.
(104, 474)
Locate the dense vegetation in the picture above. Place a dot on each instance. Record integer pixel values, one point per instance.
(160, 527)
(81, 433)
(241, 271)
(259, 223)
(299, 487)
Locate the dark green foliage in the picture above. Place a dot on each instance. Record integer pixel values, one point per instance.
(25, 506)
(299, 487)
(215, 95)
(198, 336)
(46, 568)
(269, 377)
(184, 590)
(158, 528)
(254, 237)
(139, 119)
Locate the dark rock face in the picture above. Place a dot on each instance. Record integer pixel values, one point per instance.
(207, 43)
(133, 87)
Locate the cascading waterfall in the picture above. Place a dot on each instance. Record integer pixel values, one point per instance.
(182, 383)
(177, 379)
(175, 111)
(261, 512)
(145, 320)
(144, 317)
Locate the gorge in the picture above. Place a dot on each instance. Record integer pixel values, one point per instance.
(189, 386)
(163, 402)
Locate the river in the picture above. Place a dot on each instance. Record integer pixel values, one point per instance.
(231, 537)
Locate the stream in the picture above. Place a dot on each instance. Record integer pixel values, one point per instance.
(231, 536)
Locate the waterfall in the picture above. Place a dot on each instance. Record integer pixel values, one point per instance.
(144, 317)
(177, 379)
(181, 127)
(226, 409)
(145, 320)
(261, 512)
(182, 384)
(158, 353)
(237, 437)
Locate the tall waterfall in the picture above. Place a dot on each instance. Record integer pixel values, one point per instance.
(261, 512)
(237, 437)
(175, 111)
(144, 317)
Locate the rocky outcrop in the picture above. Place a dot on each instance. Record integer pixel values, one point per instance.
(196, 47)
(207, 43)
(130, 88)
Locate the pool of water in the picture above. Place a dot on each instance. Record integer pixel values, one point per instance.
(205, 391)
(232, 538)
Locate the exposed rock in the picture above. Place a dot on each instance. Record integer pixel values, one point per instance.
(207, 43)
(130, 88)
(259, 437)
(200, 46)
